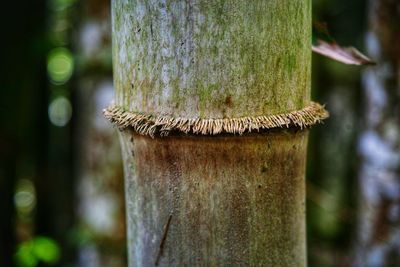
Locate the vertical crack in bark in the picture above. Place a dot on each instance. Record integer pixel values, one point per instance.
(164, 237)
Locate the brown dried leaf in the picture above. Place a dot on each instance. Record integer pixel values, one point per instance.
(346, 55)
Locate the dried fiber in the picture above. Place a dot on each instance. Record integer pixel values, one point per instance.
(147, 124)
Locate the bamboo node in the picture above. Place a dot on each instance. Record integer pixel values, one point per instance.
(148, 124)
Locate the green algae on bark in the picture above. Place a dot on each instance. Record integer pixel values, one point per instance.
(220, 200)
(184, 58)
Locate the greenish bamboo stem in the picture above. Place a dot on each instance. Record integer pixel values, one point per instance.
(224, 200)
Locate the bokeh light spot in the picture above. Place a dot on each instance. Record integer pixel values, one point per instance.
(60, 65)
(38, 250)
(25, 198)
(60, 5)
(60, 111)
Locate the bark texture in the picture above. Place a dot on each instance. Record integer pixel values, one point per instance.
(224, 200)
(379, 146)
(212, 59)
(233, 201)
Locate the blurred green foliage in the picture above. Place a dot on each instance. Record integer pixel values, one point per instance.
(40, 249)
(61, 4)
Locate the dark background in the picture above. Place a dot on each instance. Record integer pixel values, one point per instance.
(61, 180)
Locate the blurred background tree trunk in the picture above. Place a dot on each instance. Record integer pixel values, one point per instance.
(100, 205)
(221, 200)
(331, 163)
(379, 144)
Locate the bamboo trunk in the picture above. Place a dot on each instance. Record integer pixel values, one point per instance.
(222, 200)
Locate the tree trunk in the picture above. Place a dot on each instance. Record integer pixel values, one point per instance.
(222, 200)
(100, 205)
(379, 144)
